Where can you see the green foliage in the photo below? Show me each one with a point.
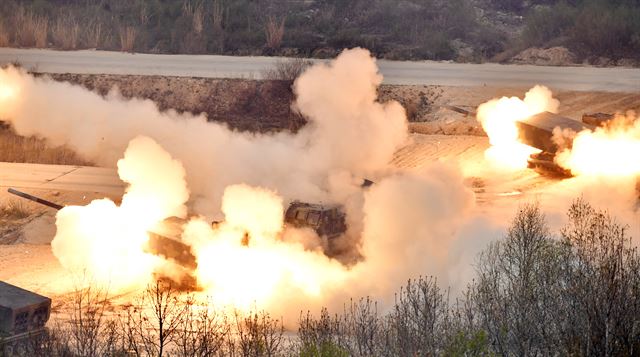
(463, 344)
(605, 29)
(488, 42)
(508, 5)
(408, 29)
(547, 23)
(325, 349)
(591, 28)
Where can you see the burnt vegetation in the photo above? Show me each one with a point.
(534, 294)
(462, 30)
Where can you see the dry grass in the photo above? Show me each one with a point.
(217, 14)
(196, 13)
(66, 32)
(94, 34)
(274, 30)
(127, 38)
(32, 29)
(14, 209)
(4, 35)
(14, 148)
(287, 70)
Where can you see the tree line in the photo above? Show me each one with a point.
(463, 30)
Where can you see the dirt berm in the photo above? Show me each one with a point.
(266, 105)
(253, 105)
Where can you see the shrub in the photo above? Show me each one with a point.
(94, 34)
(602, 30)
(127, 38)
(287, 70)
(15, 148)
(547, 23)
(31, 29)
(66, 32)
(13, 209)
(4, 35)
(274, 32)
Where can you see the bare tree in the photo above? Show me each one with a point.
(94, 33)
(217, 20)
(419, 319)
(361, 325)
(32, 29)
(518, 285)
(274, 32)
(323, 336)
(88, 333)
(202, 332)
(258, 334)
(602, 285)
(5, 38)
(66, 32)
(150, 326)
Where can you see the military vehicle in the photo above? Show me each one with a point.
(159, 244)
(537, 131)
(328, 221)
(597, 119)
(22, 312)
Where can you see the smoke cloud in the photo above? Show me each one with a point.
(410, 223)
(106, 241)
(401, 227)
(349, 134)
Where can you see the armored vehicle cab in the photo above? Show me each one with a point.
(326, 220)
(537, 131)
(21, 311)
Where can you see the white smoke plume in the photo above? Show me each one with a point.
(405, 225)
(348, 131)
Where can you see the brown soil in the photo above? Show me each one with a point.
(252, 105)
(243, 104)
(260, 106)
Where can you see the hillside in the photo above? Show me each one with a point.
(577, 31)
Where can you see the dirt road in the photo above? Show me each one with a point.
(60, 177)
(395, 72)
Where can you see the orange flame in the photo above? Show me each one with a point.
(608, 151)
(244, 260)
(498, 118)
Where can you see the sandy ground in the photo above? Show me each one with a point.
(61, 177)
(439, 120)
(395, 72)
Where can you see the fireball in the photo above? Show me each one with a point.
(608, 151)
(498, 118)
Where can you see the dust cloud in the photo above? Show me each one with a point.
(409, 223)
(401, 227)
